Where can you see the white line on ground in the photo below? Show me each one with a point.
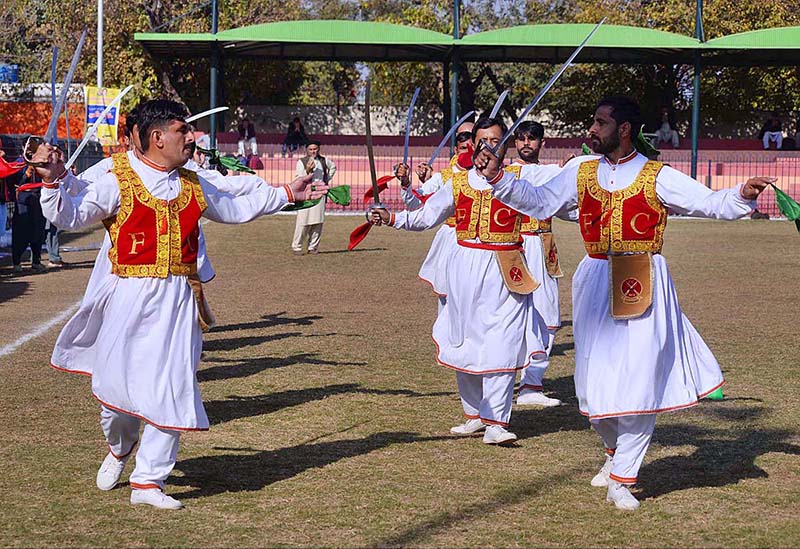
(39, 330)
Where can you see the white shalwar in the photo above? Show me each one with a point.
(654, 363)
(547, 318)
(482, 328)
(139, 338)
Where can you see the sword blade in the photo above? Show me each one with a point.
(53, 78)
(546, 87)
(409, 116)
(50, 135)
(203, 114)
(370, 153)
(93, 128)
(446, 137)
(498, 104)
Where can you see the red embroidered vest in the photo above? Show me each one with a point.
(152, 237)
(481, 216)
(629, 220)
(531, 225)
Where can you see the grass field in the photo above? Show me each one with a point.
(330, 419)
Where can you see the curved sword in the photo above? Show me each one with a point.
(446, 137)
(203, 114)
(370, 154)
(409, 116)
(498, 104)
(544, 90)
(50, 134)
(93, 128)
(53, 78)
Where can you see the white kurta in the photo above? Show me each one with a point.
(657, 362)
(434, 267)
(482, 328)
(139, 338)
(545, 298)
(315, 214)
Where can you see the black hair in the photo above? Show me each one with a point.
(131, 120)
(485, 122)
(463, 136)
(624, 109)
(158, 114)
(530, 129)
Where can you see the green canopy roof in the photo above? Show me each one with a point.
(309, 40)
(554, 42)
(777, 46)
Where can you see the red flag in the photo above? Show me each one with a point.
(383, 184)
(358, 235)
(422, 197)
(9, 168)
(464, 160)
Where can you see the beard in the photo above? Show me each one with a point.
(529, 155)
(605, 146)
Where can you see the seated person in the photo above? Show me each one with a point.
(295, 136)
(772, 130)
(665, 131)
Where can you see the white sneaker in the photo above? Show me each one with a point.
(601, 478)
(156, 498)
(536, 398)
(470, 427)
(498, 435)
(110, 471)
(619, 495)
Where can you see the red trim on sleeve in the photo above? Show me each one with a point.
(289, 193)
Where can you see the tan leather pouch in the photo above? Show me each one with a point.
(515, 272)
(550, 251)
(631, 280)
(204, 315)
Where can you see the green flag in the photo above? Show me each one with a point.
(338, 195)
(787, 206)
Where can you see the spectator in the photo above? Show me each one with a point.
(27, 225)
(666, 132)
(309, 221)
(247, 135)
(295, 137)
(772, 130)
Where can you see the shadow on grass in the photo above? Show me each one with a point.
(354, 251)
(534, 421)
(722, 456)
(268, 321)
(234, 407)
(251, 366)
(12, 289)
(247, 472)
(239, 342)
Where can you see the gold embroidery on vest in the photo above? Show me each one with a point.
(480, 215)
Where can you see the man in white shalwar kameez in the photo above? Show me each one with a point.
(139, 337)
(647, 358)
(543, 264)
(481, 332)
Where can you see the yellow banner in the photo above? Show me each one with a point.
(97, 99)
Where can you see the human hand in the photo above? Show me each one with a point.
(304, 188)
(401, 172)
(311, 166)
(45, 158)
(424, 172)
(487, 162)
(754, 187)
(378, 216)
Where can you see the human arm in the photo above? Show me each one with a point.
(95, 203)
(432, 213)
(685, 196)
(556, 197)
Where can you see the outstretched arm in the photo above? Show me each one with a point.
(433, 213)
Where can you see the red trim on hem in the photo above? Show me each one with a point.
(433, 288)
(79, 372)
(490, 247)
(623, 160)
(120, 458)
(165, 427)
(150, 164)
(456, 368)
(148, 486)
(54, 185)
(538, 388)
(496, 178)
(657, 411)
(470, 416)
(502, 424)
(392, 219)
(289, 193)
(622, 480)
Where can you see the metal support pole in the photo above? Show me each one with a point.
(99, 43)
(212, 100)
(454, 72)
(698, 33)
